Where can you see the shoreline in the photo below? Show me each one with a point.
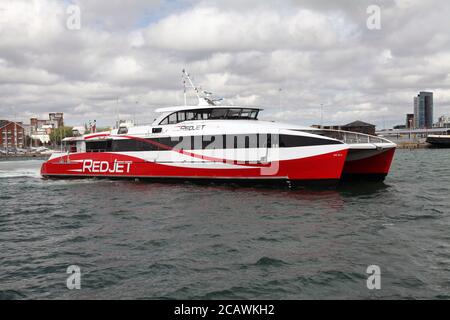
(413, 145)
(24, 156)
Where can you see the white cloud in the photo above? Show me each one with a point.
(317, 51)
(210, 29)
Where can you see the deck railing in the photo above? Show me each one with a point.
(349, 137)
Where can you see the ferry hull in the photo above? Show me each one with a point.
(439, 141)
(319, 168)
(371, 165)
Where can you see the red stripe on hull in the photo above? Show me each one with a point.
(321, 167)
(378, 164)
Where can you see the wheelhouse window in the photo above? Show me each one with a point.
(181, 116)
(234, 113)
(190, 115)
(211, 114)
(173, 118)
(219, 113)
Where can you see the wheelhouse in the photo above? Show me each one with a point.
(221, 113)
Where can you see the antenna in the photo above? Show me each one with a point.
(187, 77)
(205, 99)
(184, 88)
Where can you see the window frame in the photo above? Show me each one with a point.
(207, 114)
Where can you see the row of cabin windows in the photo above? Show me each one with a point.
(206, 142)
(210, 114)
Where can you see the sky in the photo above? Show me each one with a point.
(293, 58)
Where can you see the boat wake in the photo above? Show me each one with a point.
(23, 173)
(20, 169)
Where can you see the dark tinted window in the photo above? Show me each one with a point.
(132, 145)
(207, 142)
(291, 141)
(219, 113)
(234, 113)
(123, 130)
(205, 114)
(99, 146)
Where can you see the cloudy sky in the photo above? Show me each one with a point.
(127, 57)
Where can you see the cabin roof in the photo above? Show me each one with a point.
(184, 108)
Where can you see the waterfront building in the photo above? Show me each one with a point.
(356, 126)
(55, 120)
(423, 110)
(443, 122)
(12, 134)
(42, 134)
(360, 126)
(410, 120)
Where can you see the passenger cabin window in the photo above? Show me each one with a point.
(122, 130)
(213, 114)
(70, 146)
(99, 146)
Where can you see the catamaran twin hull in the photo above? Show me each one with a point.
(209, 142)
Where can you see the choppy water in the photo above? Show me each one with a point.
(142, 240)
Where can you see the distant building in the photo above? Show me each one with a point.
(27, 129)
(42, 134)
(423, 110)
(12, 134)
(410, 121)
(56, 119)
(360, 126)
(443, 122)
(400, 127)
(36, 124)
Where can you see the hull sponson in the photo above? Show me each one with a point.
(325, 166)
(372, 167)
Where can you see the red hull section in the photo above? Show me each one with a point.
(322, 167)
(375, 165)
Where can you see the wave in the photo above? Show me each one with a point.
(20, 173)
(20, 169)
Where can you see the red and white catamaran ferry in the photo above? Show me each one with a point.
(215, 142)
